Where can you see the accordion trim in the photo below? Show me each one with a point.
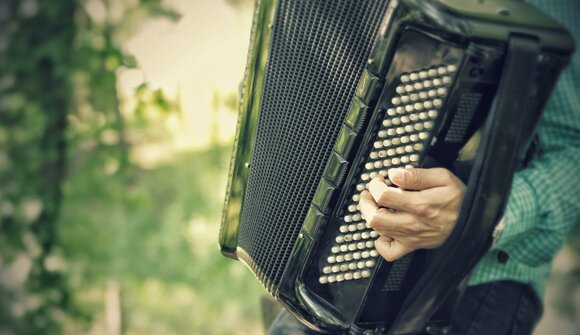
(249, 108)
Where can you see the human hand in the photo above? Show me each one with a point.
(420, 214)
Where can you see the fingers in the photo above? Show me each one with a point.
(420, 179)
(368, 206)
(392, 197)
(387, 238)
(427, 203)
(383, 221)
(391, 249)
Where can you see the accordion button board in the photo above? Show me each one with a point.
(400, 141)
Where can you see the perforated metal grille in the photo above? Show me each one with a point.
(397, 274)
(319, 49)
(465, 110)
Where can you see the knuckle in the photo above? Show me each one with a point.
(405, 205)
(382, 211)
(386, 253)
(423, 210)
(458, 193)
(415, 177)
(374, 221)
(444, 175)
(432, 212)
(384, 198)
(415, 227)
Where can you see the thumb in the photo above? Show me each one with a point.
(419, 179)
(391, 249)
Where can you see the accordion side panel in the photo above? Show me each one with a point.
(304, 101)
(247, 122)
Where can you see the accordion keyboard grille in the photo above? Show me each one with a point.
(318, 52)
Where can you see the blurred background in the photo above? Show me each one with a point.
(117, 120)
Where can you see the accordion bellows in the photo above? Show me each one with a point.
(336, 93)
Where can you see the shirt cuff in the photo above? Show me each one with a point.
(521, 213)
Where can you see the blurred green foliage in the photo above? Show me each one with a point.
(154, 231)
(79, 215)
(37, 39)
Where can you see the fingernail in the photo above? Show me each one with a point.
(364, 192)
(397, 173)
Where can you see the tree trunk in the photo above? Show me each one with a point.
(36, 44)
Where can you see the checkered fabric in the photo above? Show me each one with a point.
(545, 199)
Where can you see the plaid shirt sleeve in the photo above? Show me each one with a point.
(544, 202)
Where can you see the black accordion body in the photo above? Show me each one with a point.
(337, 92)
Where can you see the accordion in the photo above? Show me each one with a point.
(338, 92)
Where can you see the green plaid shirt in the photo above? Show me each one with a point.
(544, 202)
